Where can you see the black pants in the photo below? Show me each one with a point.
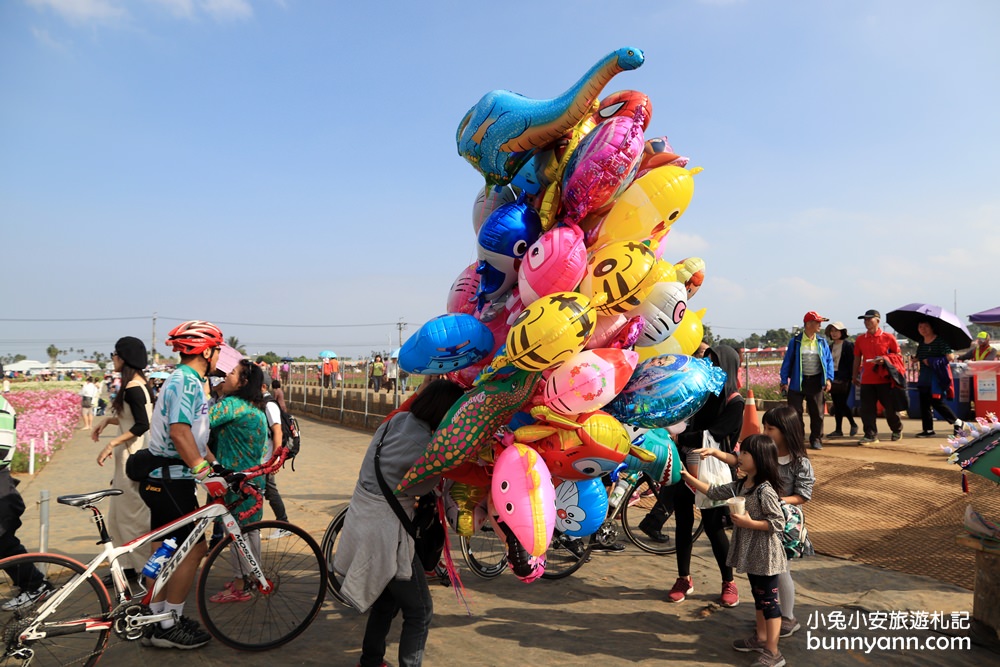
(871, 395)
(841, 409)
(928, 404)
(811, 391)
(712, 520)
(274, 499)
(26, 577)
(413, 598)
(765, 594)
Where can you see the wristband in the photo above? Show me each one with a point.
(201, 466)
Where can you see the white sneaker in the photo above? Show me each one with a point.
(278, 533)
(26, 597)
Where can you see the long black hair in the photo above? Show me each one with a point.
(128, 374)
(787, 420)
(765, 457)
(434, 401)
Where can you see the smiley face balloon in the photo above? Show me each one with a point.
(619, 271)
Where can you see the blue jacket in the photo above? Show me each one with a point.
(791, 365)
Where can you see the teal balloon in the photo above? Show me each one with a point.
(666, 390)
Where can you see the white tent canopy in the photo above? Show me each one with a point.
(78, 365)
(25, 366)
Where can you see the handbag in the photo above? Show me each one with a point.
(140, 464)
(713, 472)
(425, 528)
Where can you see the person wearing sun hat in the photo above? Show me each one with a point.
(843, 362)
(806, 372)
(981, 351)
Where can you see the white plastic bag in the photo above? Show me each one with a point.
(713, 472)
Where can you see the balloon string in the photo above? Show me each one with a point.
(449, 562)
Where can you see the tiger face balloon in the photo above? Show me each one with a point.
(619, 271)
(550, 331)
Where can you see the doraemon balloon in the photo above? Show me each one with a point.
(589, 380)
(446, 343)
(581, 507)
(503, 240)
(665, 390)
(556, 262)
(661, 311)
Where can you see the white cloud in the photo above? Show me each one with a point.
(680, 244)
(43, 37)
(227, 10)
(83, 11)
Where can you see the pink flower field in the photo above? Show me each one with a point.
(38, 412)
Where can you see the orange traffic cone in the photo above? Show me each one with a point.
(751, 424)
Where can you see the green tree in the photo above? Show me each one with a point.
(270, 357)
(53, 353)
(235, 343)
(12, 358)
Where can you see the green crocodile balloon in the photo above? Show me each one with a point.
(471, 423)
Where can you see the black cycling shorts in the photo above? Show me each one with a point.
(169, 500)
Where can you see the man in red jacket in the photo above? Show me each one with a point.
(871, 350)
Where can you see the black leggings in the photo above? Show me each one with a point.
(765, 594)
(711, 519)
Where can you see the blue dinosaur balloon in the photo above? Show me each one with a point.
(498, 135)
(666, 390)
(503, 239)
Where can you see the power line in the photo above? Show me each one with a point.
(71, 319)
(181, 319)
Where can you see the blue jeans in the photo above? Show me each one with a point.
(413, 597)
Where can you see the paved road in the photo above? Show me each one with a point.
(611, 612)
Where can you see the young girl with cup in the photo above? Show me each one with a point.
(784, 426)
(756, 547)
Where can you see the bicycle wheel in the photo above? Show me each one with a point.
(86, 609)
(293, 565)
(484, 552)
(329, 547)
(636, 509)
(565, 556)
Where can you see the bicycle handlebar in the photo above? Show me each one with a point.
(217, 485)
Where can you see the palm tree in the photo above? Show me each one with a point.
(53, 353)
(234, 343)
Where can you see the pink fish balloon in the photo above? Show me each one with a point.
(524, 497)
(589, 380)
(556, 262)
(462, 296)
(603, 165)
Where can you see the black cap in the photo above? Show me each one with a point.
(132, 351)
(871, 312)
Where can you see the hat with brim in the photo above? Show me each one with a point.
(839, 326)
(982, 335)
(871, 312)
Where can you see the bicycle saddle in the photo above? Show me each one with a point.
(84, 499)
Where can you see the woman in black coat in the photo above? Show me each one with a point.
(842, 385)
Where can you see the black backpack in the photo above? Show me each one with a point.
(290, 435)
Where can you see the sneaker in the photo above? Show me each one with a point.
(816, 444)
(898, 435)
(613, 548)
(868, 441)
(26, 598)
(768, 659)
(835, 434)
(278, 533)
(749, 644)
(653, 533)
(926, 434)
(854, 431)
(230, 594)
(789, 626)
(575, 546)
(683, 587)
(184, 634)
(957, 427)
(730, 595)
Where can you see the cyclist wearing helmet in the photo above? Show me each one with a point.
(180, 429)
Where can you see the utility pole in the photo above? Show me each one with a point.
(156, 359)
(400, 326)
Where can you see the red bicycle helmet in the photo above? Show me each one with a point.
(194, 337)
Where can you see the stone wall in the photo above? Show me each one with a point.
(341, 406)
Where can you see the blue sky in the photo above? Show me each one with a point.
(294, 162)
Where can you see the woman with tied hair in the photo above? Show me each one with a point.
(131, 411)
(843, 384)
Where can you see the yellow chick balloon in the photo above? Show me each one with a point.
(649, 206)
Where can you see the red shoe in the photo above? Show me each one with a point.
(730, 595)
(683, 587)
